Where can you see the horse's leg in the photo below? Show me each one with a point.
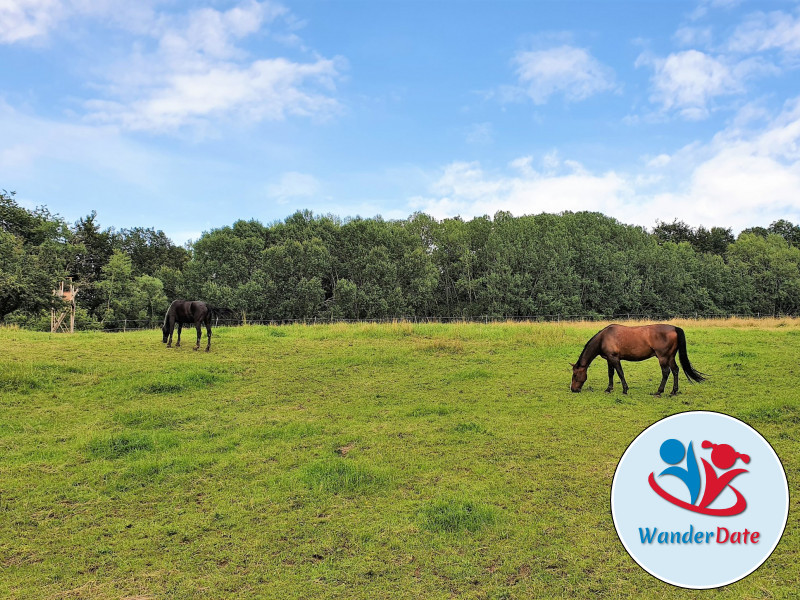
(610, 377)
(199, 333)
(208, 335)
(664, 362)
(674, 368)
(618, 366)
(180, 326)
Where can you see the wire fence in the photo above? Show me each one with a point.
(125, 325)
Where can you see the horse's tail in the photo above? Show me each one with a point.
(691, 373)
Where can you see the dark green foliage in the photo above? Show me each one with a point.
(540, 265)
(787, 230)
(31, 256)
(150, 250)
(322, 267)
(715, 240)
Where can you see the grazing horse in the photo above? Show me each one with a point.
(618, 342)
(187, 312)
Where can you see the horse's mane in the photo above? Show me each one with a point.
(170, 311)
(589, 343)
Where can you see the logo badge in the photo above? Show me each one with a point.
(699, 500)
(723, 456)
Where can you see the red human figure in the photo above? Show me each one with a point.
(724, 457)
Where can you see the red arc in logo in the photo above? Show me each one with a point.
(737, 508)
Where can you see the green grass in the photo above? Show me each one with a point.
(353, 461)
(340, 476)
(455, 514)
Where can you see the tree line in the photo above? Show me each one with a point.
(320, 266)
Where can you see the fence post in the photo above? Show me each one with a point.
(124, 325)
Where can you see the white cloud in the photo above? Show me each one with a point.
(479, 133)
(739, 179)
(267, 89)
(662, 160)
(187, 69)
(466, 189)
(35, 20)
(22, 20)
(293, 186)
(566, 70)
(691, 83)
(688, 82)
(200, 72)
(748, 176)
(772, 31)
(704, 6)
(693, 36)
(207, 33)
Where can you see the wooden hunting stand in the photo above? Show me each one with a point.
(57, 316)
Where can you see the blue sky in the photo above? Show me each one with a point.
(186, 116)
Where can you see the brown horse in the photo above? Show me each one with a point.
(187, 312)
(618, 342)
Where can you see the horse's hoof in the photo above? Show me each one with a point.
(625, 392)
(657, 395)
(208, 349)
(608, 390)
(195, 349)
(673, 393)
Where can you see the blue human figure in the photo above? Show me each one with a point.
(672, 452)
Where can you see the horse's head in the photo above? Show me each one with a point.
(165, 331)
(578, 378)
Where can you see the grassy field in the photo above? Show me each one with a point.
(353, 461)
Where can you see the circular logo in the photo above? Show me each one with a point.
(699, 500)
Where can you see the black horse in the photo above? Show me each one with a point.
(187, 312)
